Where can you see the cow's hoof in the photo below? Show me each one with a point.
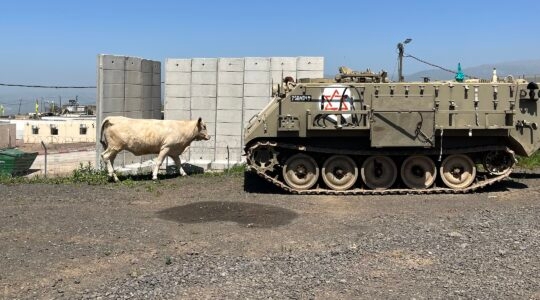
(154, 178)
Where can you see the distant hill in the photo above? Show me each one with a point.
(529, 68)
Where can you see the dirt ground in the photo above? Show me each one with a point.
(204, 237)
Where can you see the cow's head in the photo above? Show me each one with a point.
(202, 133)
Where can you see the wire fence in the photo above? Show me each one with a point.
(60, 160)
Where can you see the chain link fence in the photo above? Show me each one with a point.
(58, 159)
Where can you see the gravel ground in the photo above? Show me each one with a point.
(204, 237)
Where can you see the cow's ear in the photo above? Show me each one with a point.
(200, 120)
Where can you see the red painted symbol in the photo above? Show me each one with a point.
(333, 101)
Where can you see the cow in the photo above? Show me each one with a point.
(148, 136)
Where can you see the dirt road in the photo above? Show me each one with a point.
(204, 237)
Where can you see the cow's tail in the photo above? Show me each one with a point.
(103, 140)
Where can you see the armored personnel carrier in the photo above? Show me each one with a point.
(359, 133)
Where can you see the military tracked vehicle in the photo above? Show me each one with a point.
(359, 133)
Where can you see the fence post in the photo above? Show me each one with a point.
(45, 147)
(9, 136)
(228, 160)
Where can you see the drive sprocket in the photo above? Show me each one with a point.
(499, 162)
(263, 158)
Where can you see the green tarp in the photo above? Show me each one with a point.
(15, 161)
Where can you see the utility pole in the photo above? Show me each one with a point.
(401, 51)
(20, 103)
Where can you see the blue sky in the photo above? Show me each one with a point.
(56, 42)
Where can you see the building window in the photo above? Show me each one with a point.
(54, 130)
(35, 129)
(83, 129)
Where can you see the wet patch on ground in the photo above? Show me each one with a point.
(247, 214)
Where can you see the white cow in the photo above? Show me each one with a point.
(147, 136)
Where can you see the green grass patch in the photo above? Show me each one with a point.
(87, 174)
(234, 170)
(531, 162)
(83, 174)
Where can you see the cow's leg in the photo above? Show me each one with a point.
(178, 164)
(108, 157)
(159, 160)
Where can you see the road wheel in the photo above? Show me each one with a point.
(379, 172)
(418, 172)
(458, 171)
(339, 172)
(300, 171)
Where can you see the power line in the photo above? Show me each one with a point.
(12, 104)
(434, 65)
(47, 86)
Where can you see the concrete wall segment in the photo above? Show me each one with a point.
(209, 78)
(257, 77)
(178, 103)
(208, 117)
(283, 63)
(178, 65)
(309, 74)
(257, 64)
(177, 114)
(257, 103)
(114, 77)
(198, 90)
(228, 116)
(230, 64)
(204, 64)
(133, 77)
(307, 63)
(257, 90)
(178, 90)
(177, 78)
(147, 66)
(230, 90)
(133, 64)
(111, 62)
(128, 86)
(206, 103)
(230, 103)
(230, 77)
(113, 90)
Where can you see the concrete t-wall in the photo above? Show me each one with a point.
(127, 86)
(226, 93)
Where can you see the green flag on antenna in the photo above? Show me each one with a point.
(459, 75)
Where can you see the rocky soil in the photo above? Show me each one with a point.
(204, 237)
